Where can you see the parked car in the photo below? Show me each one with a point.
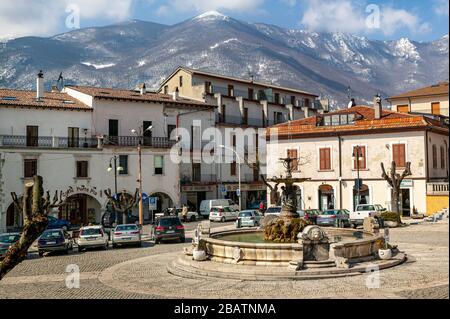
(191, 215)
(365, 210)
(273, 210)
(55, 240)
(248, 218)
(109, 219)
(168, 228)
(223, 213)
(127, 234)
(92, 237)
(334, 217)
(309, 214)
(206, 205)
(55, 223)
(6, 241)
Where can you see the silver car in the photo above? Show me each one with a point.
(248, 218)
(92, 237)
(127, 234)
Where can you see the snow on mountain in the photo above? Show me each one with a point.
(124, 54)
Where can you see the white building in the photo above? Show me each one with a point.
(325, 145)
(72, 137)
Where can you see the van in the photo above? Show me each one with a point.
(206, 205)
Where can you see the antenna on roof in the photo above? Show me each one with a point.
(60, 82)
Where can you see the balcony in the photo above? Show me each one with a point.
(21, 141)
(130, 141)
(439, 189)
(197, 178)
(239, 120)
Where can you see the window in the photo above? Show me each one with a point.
(181, 81)
(362, 157)
(245, 118)
(230, 90)
(293, 100)
(399, 155)
(277, 98)
(147, 133)
(233, 169)
(82, 169)
(223, 115)
(159, 164)
(251, 94)
(166, 89)
(293, 154)
(32, 135)
(327, 121)
(114, 131)
(123, 162)
(208, 87)
(29, 168)
(403, 108)
(264, 119)
(435, 161)
(170, 129)
(436, 108)
(307, 103)
(196, 172)
(73, 137)
(442, 157)
(325, 159)
(278, 117)
(335, 120)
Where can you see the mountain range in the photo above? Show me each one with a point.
(123, 55)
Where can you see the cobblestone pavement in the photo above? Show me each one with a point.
(141, 273)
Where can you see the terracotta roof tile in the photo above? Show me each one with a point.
(438, 89)
(365, 122)
(22, 98)
(122, 94)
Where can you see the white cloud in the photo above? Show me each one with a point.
(441, 7)
(207, 5)
(42, 17)
(350, 17)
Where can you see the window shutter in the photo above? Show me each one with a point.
(399, 155)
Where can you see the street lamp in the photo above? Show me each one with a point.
(116, 169)
(239, 172)
(357, 157)
(140, 133)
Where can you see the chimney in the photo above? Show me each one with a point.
(40, 85)
(142, 88)
(175, 94)
(377, 106)
(325, 105)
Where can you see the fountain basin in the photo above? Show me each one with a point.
(247, 247)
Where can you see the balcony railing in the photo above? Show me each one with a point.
(157, 142)
(437, 188)
(21, 141)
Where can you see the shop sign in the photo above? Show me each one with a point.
(80, 189)
(406, 183)
(206, 188)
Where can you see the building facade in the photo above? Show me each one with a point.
(343, 149)
(72, 137)
(429, 100)
(243, 109)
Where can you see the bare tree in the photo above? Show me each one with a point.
(394, 180)
(124, 202)
(35, 207)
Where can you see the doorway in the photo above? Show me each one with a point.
(405, 202)
(326, 197)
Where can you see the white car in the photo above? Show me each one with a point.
(365, 210)
(206, 205)
(273, 210)
(127, 234)
(223, 213)
(92, 237)
(191, 216)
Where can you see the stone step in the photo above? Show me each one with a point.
(319, 264)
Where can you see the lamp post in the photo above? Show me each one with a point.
(357, 158)
(239, 173)
(140, 134)
(116, 169)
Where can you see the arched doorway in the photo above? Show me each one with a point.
(364, 196)
(81, 209)
(326, 197)
(14, 218)
(164, 201)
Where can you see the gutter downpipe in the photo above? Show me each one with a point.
(340, 172)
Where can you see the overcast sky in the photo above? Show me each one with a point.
(420, 20)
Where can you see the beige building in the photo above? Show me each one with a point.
(244, 104)
(429, 100)
(325, 146)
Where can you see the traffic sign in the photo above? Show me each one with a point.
(153, 203)
(238, 192)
